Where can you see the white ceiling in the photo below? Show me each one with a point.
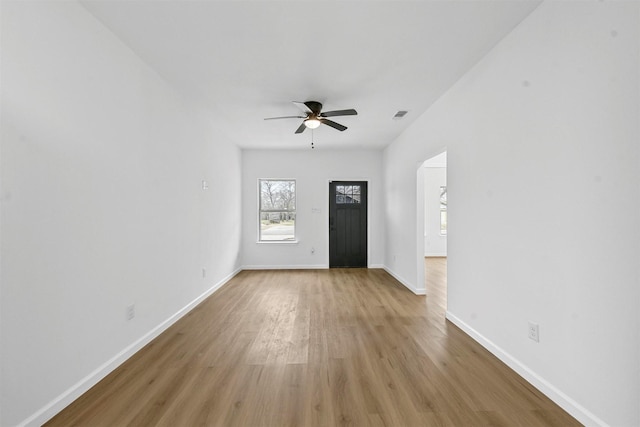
(244, 61)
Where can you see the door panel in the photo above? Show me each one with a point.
(347, 224)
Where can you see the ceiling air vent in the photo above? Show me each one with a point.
(400, 114)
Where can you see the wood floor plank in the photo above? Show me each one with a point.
(315, 348)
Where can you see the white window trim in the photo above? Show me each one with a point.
(259, 195)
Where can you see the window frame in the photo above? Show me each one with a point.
(293, 211)
(443, 210)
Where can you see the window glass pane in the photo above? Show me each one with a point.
(443, 222)
(277, 226)
(277, 195)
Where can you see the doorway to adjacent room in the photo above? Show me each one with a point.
(433, 225)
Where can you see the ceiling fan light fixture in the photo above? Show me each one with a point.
(312, 123)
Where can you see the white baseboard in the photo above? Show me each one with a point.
(297, 267)
(565, 402)
(286, 267)
(417, 291)
(62, 401)
(436, 254)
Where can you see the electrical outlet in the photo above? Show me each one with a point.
(204, 273)
(131, 311)
(534, 332)
(313, 251)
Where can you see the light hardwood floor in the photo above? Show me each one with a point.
(315, 348)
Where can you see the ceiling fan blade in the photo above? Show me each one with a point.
(314, 106)
(332, 124)
(286, 117)
(301, 128)
(302, 106)
(349, 112)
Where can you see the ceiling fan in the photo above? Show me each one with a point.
(315, 117)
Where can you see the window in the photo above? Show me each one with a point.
(443, 211)
(277, 210)
(346, 194)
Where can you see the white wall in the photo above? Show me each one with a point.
(312, 170)
(102, 205)
(435, 244)
(543, 186)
